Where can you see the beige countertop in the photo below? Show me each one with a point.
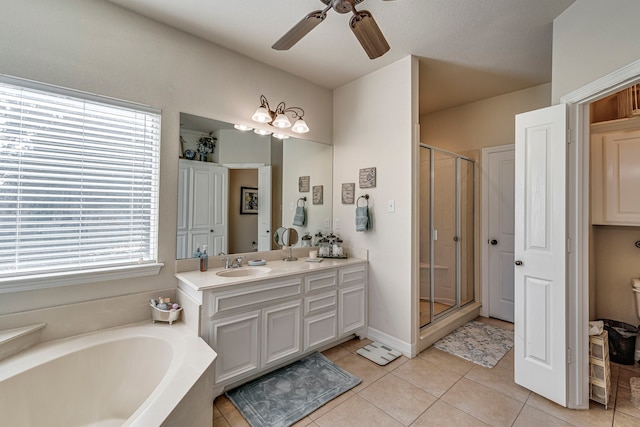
(199, 281)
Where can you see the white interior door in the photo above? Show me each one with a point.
(264, 210)
(540, 252)
(500, 214)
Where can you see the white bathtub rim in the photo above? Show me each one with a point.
(179, 377)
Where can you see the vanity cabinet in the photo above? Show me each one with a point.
(264, 324)
(202, 207)
(615, 173)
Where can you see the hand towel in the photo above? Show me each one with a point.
(300, 217)
(363, 219)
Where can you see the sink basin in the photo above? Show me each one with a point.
(243, 272)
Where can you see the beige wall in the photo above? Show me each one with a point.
(591, 39)
(101, 48)
(373, 127)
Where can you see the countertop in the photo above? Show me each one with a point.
(199, 281)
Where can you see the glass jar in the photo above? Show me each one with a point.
(337, 250)
(306, 240)
(324, 249)
(317, 238)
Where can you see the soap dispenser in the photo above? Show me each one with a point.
(204, 259)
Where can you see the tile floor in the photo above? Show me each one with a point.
(439, 389)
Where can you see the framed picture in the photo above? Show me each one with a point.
(367, 178)
(317, 194)
(248, 200)
(303, 184)
(348, 192)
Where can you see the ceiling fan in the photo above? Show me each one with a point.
(362, 24)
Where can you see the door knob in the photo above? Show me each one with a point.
(494, 242)
(518, 263)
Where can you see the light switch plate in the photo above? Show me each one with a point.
(391, 206)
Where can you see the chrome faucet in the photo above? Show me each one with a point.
(233, 264)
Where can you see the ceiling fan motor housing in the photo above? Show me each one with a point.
(343, 6)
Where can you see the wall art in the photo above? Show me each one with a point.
(317, 194)
(368, 178)
(348, 193)
(303, 184)
(248, 200)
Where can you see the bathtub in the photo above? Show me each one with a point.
(143, 374)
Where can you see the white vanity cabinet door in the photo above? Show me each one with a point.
(280, 338)
(321, 319)
(352, 300)
(235, 339)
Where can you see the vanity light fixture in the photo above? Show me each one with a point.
(280, 136)
(262, 132)
(242, 127)
(278, 118)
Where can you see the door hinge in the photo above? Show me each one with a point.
(569, 140)
(568, 356)
(569, 245)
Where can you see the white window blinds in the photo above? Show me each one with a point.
(78, 182)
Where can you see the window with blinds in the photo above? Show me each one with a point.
(78, 181)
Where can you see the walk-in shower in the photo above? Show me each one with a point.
(446, 233)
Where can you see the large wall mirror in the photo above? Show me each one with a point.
(247, 187)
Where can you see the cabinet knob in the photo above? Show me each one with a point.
(211, 231)
(494, 242)
(519, 263)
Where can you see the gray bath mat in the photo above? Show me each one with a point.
(379, 353)
(282, 397)
(478, 343)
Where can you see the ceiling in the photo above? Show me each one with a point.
(468, 49)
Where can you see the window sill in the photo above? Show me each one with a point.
(52, 280)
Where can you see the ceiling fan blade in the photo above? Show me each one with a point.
(368, 34)
(300, 30)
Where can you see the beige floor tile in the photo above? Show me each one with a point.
(532, 417)
(490, 406)
(620, 419)
(354, 344)
(623, 403)
(235, 419)
(625, 373)
(305, 422)
(331, 404)
(427, 375)
(361, 367)
(224, 405)
(506, 363)
(335, 353)
(447, 360)
(356, 412)
(441, 414)
(495, 322)
(216, 412)
(396, 397)
(499, 380)
(596, 416)
(220, 422)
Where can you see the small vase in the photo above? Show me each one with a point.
(203, 157)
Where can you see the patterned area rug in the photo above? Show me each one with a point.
(478, 343)
(282, 397)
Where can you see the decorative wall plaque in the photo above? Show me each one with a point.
(317, 194)
(368, 178)
(348, 193)
(303, 184)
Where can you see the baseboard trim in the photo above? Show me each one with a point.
(403, 347)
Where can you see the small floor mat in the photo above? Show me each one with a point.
(379, 353)
(282, 397)
(478, 342)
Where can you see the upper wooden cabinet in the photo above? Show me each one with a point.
(615, 173)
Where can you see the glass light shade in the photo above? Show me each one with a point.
(262, 132)
(280, 136)
(300, 126)
(281, 121)
(261, 115)
(242, 127)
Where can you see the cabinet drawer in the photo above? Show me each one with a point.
(228, 301)
(319, 303)
(352, 276)
(320, 281)
(319, 330)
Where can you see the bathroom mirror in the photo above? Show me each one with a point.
(249, 186)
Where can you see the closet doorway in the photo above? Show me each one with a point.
(446, 233)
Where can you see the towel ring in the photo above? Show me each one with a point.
(366, 199)
(303, 199)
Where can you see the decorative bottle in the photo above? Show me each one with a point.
(204, 259)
